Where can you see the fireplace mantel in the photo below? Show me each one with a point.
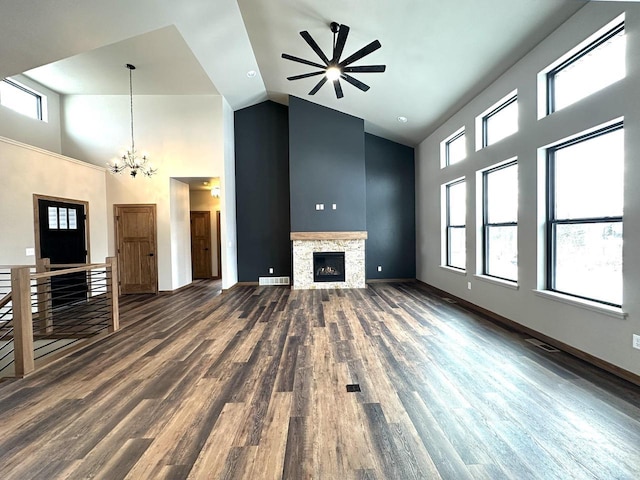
(328, 235)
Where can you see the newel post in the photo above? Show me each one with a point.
(112, 291)
(45, 306)
(22, 320)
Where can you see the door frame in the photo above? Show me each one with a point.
(116, 206)
(36, 221)
(218, 245)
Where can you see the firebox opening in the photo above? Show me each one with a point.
(328, 267)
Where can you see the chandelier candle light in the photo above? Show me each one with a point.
(131, 160)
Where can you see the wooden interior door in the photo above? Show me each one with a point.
(201, 244)
(135, 227)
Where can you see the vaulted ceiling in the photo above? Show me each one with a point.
(438, 54)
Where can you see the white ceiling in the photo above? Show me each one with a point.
(439, 54)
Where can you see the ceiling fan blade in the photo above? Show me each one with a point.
(301, 60)
(317, 87)
(305, 75)
(372, 47)
(355, 82)
(338, 88)
(343, 32)
(365, 69)
(312, 43)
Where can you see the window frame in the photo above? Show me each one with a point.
(38, 96)
(485, 219)
(551, 221)
(449, 226)
(447, 143)
(590, 47)
(485, 118)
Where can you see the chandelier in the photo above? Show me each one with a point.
(131, 160)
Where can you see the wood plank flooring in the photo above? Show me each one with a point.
(251, 384)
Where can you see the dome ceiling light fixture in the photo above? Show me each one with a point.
(131, 160)
(335, 69)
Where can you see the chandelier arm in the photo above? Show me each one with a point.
(131, 103)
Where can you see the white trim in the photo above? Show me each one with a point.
(454, 270)
(615, 312)
(498, 281)
(51, 154)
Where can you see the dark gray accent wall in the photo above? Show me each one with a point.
(262, 191)
(391, 221)
(327, 166)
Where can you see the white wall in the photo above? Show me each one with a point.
(28, 170)
(183, 135)
(228, 230)
(606, 337)
(180, 234)
(39, 133)
(202, 201)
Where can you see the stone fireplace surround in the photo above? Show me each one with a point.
(351, 243)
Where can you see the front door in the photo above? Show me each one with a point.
(201, 244)
(135, 227)
(62, 239)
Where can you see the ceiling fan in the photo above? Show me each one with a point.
(334, 69)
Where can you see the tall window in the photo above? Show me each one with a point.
(500, 221)
(500, 122)
(585, 203)
(456, 195)
(455, 148)
(21, 99)
(599, 63)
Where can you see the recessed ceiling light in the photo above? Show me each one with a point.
(402, 119)
(251, 73)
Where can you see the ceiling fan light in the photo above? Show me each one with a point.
(333, 73)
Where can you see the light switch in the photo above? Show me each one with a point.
(322, 206)
(334, 206)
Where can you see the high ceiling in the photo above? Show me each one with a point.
(438, 54)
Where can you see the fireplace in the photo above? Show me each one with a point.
(308, 245)
(328, 266)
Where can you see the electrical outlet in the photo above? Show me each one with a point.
(334, 206)
(379, 268)
(469, 285)
(270, 269)
(636, 341)
(30, 251)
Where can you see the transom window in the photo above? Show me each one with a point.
(21, 99)
(598, 64)
(500, 221)
(585, 204)
(456, 213)
(455, 148)
(500, 122)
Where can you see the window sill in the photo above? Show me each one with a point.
(498, 281)
(608, 310)
(454, 270)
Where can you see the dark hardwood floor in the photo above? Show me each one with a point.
(252, 384)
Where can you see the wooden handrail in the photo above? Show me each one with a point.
(86, 268)
(6, 299)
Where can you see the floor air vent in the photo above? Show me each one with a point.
(353, 387)
(273, 280)
(544, 346)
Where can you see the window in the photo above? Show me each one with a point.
(585, 203)
(501, 121)
(455, 148)
(598, 64)
(500, 221)
(61, 218)
(456, 213)
(21, 99)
